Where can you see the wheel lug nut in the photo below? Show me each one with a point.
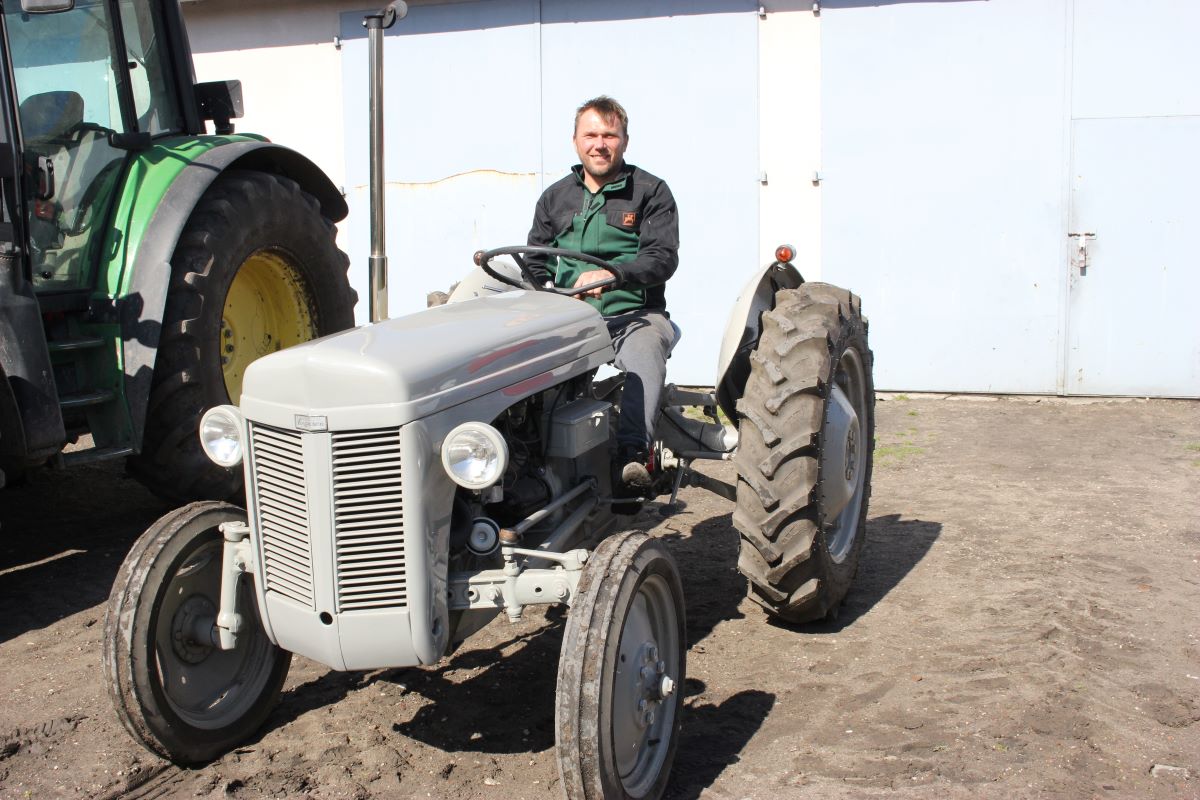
(662, 667)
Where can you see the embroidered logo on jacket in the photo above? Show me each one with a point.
(629, 219)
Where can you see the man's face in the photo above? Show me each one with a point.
(600, 144)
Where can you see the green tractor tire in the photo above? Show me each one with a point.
(256, 270)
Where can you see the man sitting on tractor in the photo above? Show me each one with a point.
(622, 214)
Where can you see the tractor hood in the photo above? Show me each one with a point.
(403, 369)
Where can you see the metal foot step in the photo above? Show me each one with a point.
(77, 457)
(82, 399)
(80, 343)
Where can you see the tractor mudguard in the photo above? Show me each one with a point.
(144, 291)
(745, 326)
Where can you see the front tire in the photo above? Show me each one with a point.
(621, 673)
(256, 270)
(176, 694)
(806, 436)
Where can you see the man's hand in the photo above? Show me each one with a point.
(592, 276)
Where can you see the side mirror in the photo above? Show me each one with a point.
(220, 101)
(46, 6)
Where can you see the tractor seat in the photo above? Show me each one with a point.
(51, 116)
(674, 340)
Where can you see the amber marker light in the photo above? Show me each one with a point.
(785, 253)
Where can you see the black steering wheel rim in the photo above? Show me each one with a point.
(483, 259)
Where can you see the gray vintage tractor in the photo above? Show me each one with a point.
(409, 481)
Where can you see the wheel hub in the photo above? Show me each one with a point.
(650, 685)
(851, 454)
(840, 453)
(192, 620)
(845, 458)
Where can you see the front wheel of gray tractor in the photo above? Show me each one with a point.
(173, 688)
(256, 270)
(807, 431)
(621, 673)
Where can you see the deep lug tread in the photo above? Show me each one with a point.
(784, 554)
(793, 448)
(770, 368)
(761, 543)
(241, 212)
(767, 433)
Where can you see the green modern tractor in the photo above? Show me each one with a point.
(144, 263)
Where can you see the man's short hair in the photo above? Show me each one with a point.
(608, 108)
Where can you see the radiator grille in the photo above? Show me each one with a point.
(282, 504)
(368, 514)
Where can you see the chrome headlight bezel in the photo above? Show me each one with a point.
(481, 437)
(221, 435)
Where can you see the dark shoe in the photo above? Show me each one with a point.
(636, 476)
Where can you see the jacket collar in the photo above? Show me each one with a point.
(616, 183)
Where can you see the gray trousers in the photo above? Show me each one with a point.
(643, 341)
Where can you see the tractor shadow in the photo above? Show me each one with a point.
(713, 738)
(478, 694)
(63, 536)
(893, 548)
(474, 696)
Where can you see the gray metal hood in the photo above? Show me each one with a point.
(403, 369)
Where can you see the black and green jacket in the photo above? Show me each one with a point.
(631, 222)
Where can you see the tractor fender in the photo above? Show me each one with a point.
(744, 327)
(140, 309)
(31, 423)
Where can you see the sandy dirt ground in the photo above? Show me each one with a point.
(1025, 623)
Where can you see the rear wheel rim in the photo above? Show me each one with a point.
(644, 686)
(267, 308)
(844, 459)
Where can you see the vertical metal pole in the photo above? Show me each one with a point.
(376, 24)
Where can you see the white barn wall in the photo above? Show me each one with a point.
(292, 83)
(290, 69)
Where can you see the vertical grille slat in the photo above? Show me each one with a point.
(368, 512)
(282, 506)
(368, 516)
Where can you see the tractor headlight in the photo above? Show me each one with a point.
(475, 455)
(221, 435)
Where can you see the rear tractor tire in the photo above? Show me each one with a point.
(256, 270)
(175, 692)
(807, 432)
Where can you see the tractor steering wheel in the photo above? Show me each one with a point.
(483, 259)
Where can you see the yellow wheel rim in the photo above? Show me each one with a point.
(268, 308)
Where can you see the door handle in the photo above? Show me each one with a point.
(1079, 254)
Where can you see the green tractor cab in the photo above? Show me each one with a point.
(144, 263)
